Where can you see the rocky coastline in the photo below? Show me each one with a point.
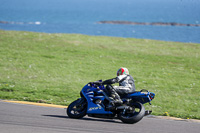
(147, 23)
(4, 22)
(124, 22)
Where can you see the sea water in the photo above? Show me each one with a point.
(82, 17)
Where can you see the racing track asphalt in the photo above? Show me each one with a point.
(23, 118)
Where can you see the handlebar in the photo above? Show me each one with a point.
(97, 85)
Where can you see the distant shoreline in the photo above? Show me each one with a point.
(147, 23)
(121, 22)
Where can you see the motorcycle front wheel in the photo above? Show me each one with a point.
(77, 109)
(133, 116)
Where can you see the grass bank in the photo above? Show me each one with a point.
(52, 68)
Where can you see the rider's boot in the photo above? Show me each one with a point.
(115, 100)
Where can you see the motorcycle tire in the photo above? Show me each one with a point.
(77, 110)
(133, 117)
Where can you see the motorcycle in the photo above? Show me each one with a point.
(95, 102)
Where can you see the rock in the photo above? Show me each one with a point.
(146, 23)
(4, 22)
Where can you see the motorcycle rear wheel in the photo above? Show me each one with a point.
(134, 116)
(77, 109)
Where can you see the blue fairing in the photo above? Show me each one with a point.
(93, 108)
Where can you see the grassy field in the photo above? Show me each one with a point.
(52, 68)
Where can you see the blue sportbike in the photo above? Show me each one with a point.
(95, 102)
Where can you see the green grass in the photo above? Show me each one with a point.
(52, 68)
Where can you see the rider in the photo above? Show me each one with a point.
(126, 85)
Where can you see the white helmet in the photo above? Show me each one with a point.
(122, 71)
